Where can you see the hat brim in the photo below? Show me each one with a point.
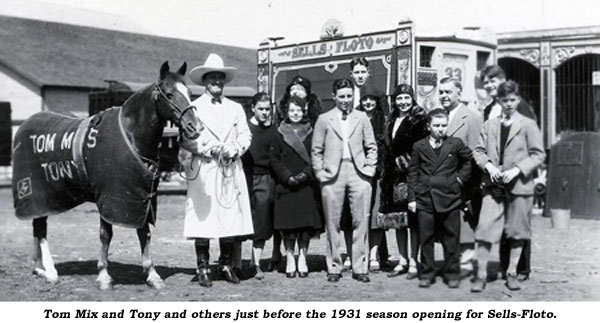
(197, 73)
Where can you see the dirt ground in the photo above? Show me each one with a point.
(565, 265)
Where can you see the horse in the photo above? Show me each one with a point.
(110, 158)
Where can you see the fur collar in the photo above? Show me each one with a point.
(295, 138)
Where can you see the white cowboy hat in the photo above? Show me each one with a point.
(214, 63)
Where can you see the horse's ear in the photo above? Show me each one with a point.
(182, 69)
(164, 69)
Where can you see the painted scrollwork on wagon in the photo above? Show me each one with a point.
(531, 55)
(562, 54)
(331, 67)
(404, 55)
(545, 58)
(263, 80)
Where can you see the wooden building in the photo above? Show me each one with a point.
(54, 66)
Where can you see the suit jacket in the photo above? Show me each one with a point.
(466, 126)
(524, 149)
(326, 152)
(433, 179)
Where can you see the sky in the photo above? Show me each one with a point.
(247, 23)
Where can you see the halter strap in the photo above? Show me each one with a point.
(173, 105)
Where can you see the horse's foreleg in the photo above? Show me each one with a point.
(104, 281)
(153, 279)
(43, 263)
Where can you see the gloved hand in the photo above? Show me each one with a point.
(230, 151)
(292, 182)
(301, 178)
(402, 162)
(215, 151)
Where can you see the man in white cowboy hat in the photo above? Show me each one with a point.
(217, 203)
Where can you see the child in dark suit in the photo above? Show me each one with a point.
(438, 169)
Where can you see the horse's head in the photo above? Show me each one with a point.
(173, 99)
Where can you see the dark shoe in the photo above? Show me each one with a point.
(204, 277)
(347, 265)
(512, 283)
(425, 283)
(411, 276)
(363, 278)
(303, 274)
(454, 283)
(386, 264)
(334, 278)
(398, 272)
(291, 275)
(374, 266)
(273, 265)
(258, 273)
(478, 285)
(522, 277)
(230, 275)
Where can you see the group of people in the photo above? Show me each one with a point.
(441, 175)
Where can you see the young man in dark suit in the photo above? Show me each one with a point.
(438, 169)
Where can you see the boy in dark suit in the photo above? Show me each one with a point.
(438, 169)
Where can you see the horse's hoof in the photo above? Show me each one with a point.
(50, 277)
(39, 272)
(156, 283)
(104, 283)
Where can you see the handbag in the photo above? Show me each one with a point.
(400, 194)
(495, 189)
(392, 220)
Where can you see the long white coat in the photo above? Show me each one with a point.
(217, 203)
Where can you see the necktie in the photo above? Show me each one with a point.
(344, 114)
(506, 120)
(438, 143)
(215, 100)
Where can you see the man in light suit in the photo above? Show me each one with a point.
(344, 157)
(464, 124)
(491, 77)
(510, 149)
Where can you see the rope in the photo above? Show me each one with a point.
(226, 184)
(229, 192)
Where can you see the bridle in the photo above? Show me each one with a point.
(175, 107)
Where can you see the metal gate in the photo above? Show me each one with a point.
(575, 99)
(528, 77)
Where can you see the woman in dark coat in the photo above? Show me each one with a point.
(300, 87)
(298, 212)
(371, 105)
(406, 124)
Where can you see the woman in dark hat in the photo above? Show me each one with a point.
(406, 124)
(300, 87)
(370, 103)
(298, 214)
